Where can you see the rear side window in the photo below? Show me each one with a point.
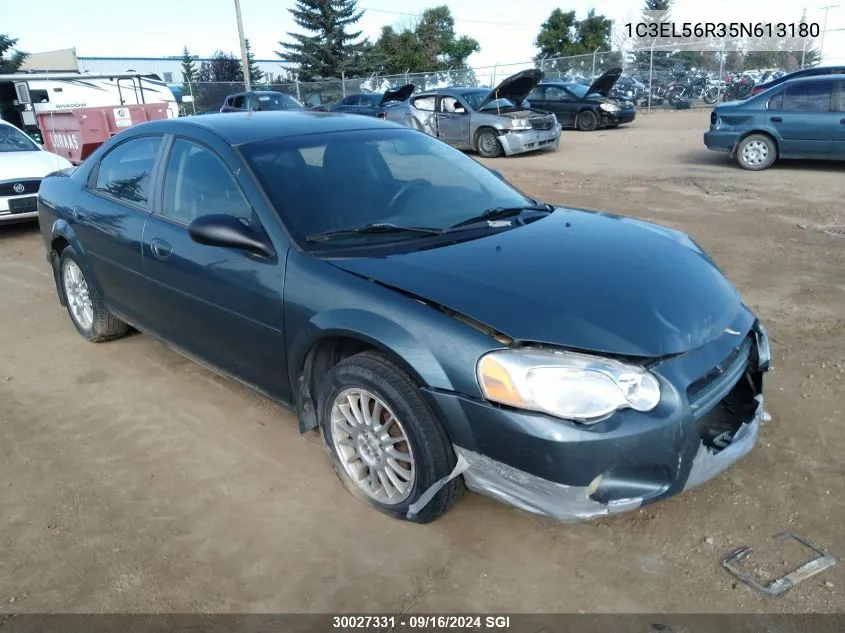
(126, 171)
(424, 103)
(809, 97)
(776, 102)
(239, 101)
(841, 98)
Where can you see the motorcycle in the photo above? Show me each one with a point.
(693, 85)
(737, 87)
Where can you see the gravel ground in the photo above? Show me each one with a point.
(133, 480)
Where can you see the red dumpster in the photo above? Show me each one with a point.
(75, 134)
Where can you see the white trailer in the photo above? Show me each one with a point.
(24, 95)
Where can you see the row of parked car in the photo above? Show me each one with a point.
(525, 112)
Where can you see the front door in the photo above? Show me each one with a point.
(837, 149)
(223, 305)
(805, 119)
(453, 122)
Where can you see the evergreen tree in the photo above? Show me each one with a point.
(189, 69)
(222, 67)
(662, 55)
(327, 47)
(12, 63)
(254, 70)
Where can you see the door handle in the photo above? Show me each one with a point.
(160, 248)
(776, 119)
(78, 213)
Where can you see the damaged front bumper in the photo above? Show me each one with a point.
(519, 142)
(708, 419)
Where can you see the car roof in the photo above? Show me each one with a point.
(239, 128)
(786, 80)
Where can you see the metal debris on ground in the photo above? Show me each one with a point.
(839, 231)
(781, 584)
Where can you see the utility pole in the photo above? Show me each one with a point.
(244, 57)
(824, 28)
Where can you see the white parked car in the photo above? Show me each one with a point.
(23, 163)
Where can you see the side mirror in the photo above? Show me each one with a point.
(225, 230)
(460, 110)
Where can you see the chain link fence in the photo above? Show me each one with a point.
(673, 75)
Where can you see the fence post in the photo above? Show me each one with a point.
(593, 74)
(343, 82)
(296, 81)
(191, 90)
(651, 74)
(407, 80)
(721, 72)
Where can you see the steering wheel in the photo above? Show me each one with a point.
(403, 193)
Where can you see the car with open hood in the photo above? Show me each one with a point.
(491, 122)
(371, 103)
(583, 107)
(23, 163)
(439, 327)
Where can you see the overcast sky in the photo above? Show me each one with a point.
(504, 28)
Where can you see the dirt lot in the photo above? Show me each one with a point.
(133, 480)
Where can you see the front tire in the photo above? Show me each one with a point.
(756, 152)
(487, 143)
(587, 121)
(384, 443)
(711, 95)
(85, 304)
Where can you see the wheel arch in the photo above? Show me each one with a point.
(332, 336)
(62, 236)
(761, 131)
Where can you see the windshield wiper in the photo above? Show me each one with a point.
(371, 229)
(501, 213)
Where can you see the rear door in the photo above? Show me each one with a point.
(223, 305)
(805, 119)
(110, 218)
(837, 149)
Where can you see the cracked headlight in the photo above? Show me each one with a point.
(568, 385)
(609, 107)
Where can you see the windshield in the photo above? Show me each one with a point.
(13, 140)
(475, 98)
(345, 180)
(278, 102)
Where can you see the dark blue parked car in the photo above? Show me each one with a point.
(437, 325)
(372, 103)
(803, 118)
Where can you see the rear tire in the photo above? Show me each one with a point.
(756, 152)
(711, 95)
(586, 121)
(487, 143)
(85, 303)
(365, 405)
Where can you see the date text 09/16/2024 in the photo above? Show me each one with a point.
(419, 622)
(722, 29)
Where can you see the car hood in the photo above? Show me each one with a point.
(397, 94)
(604, 84)
(36, 164)
(576, 278)
(516, 87)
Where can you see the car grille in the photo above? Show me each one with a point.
(712, 387)
(545, 123)
(30, 185)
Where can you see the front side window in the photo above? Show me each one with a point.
(13, 140)
(350, 179)
(239, 102)
(809, 97)
(555, 93)
(126, 171)
(197, 182)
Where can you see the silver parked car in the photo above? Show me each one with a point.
(492, 122)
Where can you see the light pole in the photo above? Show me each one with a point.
(244, 57)
(824, 28)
